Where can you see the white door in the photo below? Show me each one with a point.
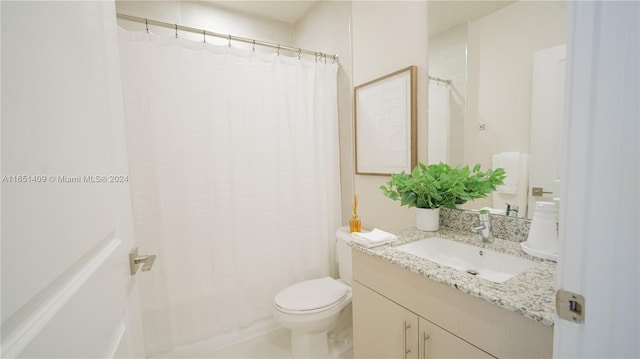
(547, 100)
(599, 232)
(66, 213)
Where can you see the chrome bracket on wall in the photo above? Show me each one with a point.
(539, 191)
(135, 260)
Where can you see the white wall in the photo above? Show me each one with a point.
(500, 52)
(388, 36)
(448, 60)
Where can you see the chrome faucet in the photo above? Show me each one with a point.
(512, 210)
(485, 226)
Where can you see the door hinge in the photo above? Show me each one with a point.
(570, 306)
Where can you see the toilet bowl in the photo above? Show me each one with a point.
(311, 308)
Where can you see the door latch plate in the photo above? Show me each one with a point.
(570, 306)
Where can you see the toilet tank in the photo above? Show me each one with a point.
(343, 253)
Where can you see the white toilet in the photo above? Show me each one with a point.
(311, 308)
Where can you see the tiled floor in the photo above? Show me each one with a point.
(273, 344)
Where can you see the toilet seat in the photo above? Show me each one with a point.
(311, 296)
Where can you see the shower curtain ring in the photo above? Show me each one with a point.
(146, 24)
(299, 52)
(254, 45)
(335, 58)
(176, 30)
(278, 50)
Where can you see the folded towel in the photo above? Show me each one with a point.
(374, 238)
(510, 161)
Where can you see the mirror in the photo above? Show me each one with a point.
(496, 55)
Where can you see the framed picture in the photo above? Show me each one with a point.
(386, 124)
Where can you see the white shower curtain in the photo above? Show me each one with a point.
(235, 179)
(439, 123)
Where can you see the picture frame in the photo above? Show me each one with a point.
(386, 124)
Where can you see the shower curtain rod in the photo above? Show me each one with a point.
(229, 37)
(448, 82)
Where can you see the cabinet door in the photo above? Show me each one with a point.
(436, 342)
(382, 328)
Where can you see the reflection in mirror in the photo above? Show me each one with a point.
(487, 50)
(447, 95)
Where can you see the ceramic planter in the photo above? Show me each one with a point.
(427, 219)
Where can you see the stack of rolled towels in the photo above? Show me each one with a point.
(376, 237)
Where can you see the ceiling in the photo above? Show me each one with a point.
(285, 11)
(443, 14)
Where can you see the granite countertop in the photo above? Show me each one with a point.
(530, 293)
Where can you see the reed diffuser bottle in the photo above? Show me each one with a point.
(354, 223)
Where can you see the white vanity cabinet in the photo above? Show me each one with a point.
(436, 342)
(401, 314)
(384, 329)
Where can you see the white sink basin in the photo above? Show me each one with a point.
(491, 265)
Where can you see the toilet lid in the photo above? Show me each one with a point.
(311, 295)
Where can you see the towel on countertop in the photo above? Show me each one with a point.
(510, 161)
(374, 238)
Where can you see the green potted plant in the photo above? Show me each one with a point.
(439, 185)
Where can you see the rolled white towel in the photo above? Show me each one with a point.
(376, 237)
